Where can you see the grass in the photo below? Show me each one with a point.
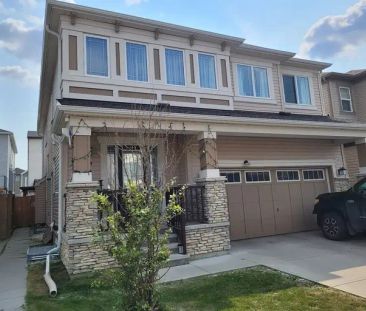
(256, 288)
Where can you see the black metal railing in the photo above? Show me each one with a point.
(191, 201)
(192, 204)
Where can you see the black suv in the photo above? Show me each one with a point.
(341, 214)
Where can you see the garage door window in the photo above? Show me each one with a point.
(231, 177)
(288, 175)
(313, 174)
(257, 176)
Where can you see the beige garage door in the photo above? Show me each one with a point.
(266, 202)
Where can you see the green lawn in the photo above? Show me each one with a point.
(256, 288)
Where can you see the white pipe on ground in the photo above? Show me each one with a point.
(52, 288)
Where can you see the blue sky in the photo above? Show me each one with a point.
(328, 30)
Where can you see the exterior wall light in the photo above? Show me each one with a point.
(342, 171)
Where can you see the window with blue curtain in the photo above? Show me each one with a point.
(136, 58)
(253, 81)
(245, 80)
(289, 89)
(303, 90)
(174, 67)
(297, 90)
(96, 56)
(260, 82)
(206, 64)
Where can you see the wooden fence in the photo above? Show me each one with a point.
(23, 213)
(15, 212)
(6, 215)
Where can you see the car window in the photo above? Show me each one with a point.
(361, 186)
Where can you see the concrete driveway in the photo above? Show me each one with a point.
(341, 265)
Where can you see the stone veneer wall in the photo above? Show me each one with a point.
(212, 238)
(341, 184)
(79, 251)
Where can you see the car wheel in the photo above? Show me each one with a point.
(334, 227)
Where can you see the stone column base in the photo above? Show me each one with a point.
(84, 255)
(341, 184)
(206, 240)
(79, 250)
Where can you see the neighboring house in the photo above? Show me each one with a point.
(34, 157)
(20, 180)
(345, 98)
(8, 150)
(263, 149)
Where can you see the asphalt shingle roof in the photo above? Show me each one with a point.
(193, 110)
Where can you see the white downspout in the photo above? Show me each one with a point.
(52, 288)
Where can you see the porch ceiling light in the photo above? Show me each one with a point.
(246, 162)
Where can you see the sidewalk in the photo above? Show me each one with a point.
(205, 266)
(13, 271)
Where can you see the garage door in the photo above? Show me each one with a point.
(266, 202)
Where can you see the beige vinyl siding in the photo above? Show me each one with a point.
(333, 98)
(358, 93)
(258, 148)
(328, 109)
(352, 163)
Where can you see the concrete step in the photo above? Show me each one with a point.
(172, 238)
(177, 260)
(173, 247)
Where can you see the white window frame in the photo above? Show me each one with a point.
(147, 62)
(199, 73)
(288, 170)
(85, 57)
(297, 104)
(350, 98)
(258, 182)
(232, 172)
(313, 169)
(184, 67)
(253, 81)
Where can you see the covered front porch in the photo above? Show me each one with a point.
(103, 151)
(107, 160)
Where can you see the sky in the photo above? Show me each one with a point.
(328, 30)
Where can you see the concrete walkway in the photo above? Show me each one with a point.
(13, 271)
(341, 265)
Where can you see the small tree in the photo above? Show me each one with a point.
(137, 242)
(136, 233)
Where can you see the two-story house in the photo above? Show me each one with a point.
(249, 124)
(8, 150)
(345, 97)
(35, 148)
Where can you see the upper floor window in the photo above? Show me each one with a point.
(174, 67)
(207, 70)
(253, 81)
(136, 62)
(297, 90)
(346, 101)
(96, 56)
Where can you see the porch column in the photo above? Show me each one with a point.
(80, 252)
(81, 155)
(208, 155)
(213, 237)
